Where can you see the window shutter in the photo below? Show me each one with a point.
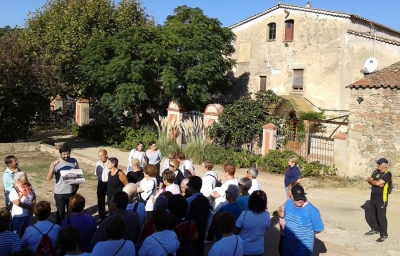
(298, 79)
(289, 29)
(263, 83)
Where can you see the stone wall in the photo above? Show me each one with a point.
(374, 130)
(330, 56)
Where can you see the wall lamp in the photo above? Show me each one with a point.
(360, 99)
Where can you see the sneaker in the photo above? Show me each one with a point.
(381, 239)
(371, 232)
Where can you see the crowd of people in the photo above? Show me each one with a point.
(167, 212)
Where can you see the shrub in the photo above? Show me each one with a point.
(165, 145)
(75, 129)
(133, 136)
(311, 169)
(276, 161)
(312, 115)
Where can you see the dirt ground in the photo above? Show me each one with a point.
(343, 206)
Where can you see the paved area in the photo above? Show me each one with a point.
(84, 150)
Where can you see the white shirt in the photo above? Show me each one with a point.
(255, 185)
(149, 187)
(104, 172)
(136, 154)
(221, 191)
(16, 210)
(209, 181)
(187, 165)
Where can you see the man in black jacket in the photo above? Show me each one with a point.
(380, 181)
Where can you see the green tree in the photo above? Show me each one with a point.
(4, 30)
(199, 57)
(241, 122)
(23, 101)
(185, 60)
(60, 30)
(123, 70)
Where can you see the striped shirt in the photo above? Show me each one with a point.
(300, 225)
(9, 243)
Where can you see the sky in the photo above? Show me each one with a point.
(387, 12)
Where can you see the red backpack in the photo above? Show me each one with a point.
(45, 247)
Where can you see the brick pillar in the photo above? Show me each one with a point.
(58, 103)
(174, 117)
(82, 112)
(340, 154)
(268, 138)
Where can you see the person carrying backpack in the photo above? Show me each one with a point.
(210, 179)
(41, 237)
(163, 241)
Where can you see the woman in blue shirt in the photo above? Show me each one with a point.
(292, 174)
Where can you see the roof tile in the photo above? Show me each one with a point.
(388, 77)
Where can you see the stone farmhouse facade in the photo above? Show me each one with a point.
(309, 55)
(374, 122)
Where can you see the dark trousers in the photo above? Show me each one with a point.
(378, 216)
(62, 204)
(101, 199)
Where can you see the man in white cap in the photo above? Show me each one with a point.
(381, 182)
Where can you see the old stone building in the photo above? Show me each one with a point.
(374, 122)
(310, 53)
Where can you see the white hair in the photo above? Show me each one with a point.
(131, 190)
(18, 176)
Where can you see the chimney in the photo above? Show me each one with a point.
(308, 5)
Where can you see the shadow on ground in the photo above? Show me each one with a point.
(50, 137)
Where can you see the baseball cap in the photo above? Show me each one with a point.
(298, 193)
(233, 190)
(382, 161)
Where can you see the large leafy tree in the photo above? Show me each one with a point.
(185, 60)
(23, 101)
(241, 122)
(59, 32)
(199, 56)
(123, 70)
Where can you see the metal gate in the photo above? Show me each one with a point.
(313, 147)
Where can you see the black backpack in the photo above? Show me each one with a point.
(218, 183)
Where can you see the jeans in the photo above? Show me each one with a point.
(62, 204)
(101, 198)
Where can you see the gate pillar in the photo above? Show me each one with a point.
(82, 112)
(268, 138)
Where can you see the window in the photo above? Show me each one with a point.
(289, 30)
(271, 31)
(263, 83)
(298, 78)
